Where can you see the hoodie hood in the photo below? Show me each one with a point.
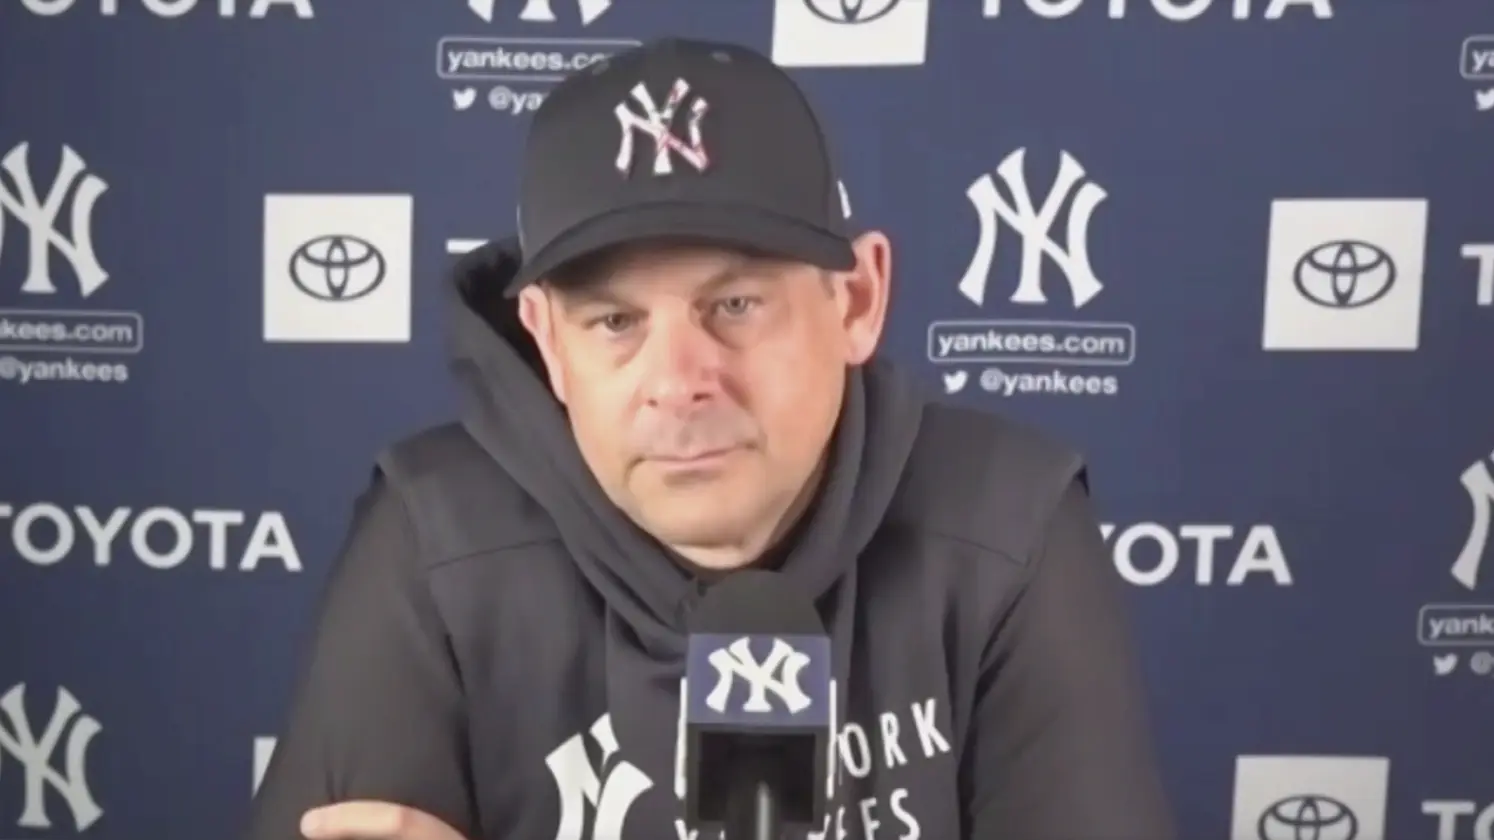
(511, 412)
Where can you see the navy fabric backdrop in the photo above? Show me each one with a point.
(1237, 250)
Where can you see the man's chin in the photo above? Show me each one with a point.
(707, 526)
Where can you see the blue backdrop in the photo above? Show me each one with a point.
(1239, 250)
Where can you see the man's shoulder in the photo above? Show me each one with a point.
(459, 498)
(985, 478)
(948, 431)
(432, 449)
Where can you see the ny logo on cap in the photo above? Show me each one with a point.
(658, 124)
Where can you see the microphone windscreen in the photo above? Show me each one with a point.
(752, 602)
(760, 699)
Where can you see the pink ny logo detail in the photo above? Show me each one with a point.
(657, 123)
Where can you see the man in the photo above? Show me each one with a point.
(676, 381)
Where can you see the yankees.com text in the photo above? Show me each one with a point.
(22, 330)
(461, 58)
(1456, 624)
(1050, 342)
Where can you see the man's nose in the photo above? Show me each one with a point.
(684, 363)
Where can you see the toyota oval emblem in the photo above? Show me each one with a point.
(1345, 274)
(851, 11)
(337, 268)
(1308, 816)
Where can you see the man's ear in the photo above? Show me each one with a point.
(864, 292)
(536, 312)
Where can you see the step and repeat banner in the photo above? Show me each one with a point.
(1240, 251)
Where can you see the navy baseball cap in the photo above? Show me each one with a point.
(679, 139)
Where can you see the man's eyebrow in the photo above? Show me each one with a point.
(590, 295)
(724, 275)
(601, 290)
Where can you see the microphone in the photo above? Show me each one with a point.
(759, 710)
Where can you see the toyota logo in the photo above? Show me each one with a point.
(337, 268)
(850, 11)
(1344, 274)
(1309, 816)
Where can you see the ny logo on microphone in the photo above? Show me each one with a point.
(766, 699)
(758, 680)
(779, 673)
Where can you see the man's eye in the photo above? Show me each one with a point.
(736, 306)
(613, 322)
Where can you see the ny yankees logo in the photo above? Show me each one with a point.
(264, 750)
(542, 11)
(1479, 483)
(36, 756)
(40, 217)
(1034, 225)
(736, 660)
(657, 123)
(611, 793)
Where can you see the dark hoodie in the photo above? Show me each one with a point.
(501, 647)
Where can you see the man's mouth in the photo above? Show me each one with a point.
(693, 457)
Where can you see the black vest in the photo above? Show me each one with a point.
(555, 754)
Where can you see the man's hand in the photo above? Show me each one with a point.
(369, 820)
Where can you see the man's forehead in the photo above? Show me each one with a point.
(698, 263)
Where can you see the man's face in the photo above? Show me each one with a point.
(703, 385)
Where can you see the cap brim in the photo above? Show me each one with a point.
(738, 226)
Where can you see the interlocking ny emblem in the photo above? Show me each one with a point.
(610, 794)
(1035, 226)
(658, 124)
(1479, 483)
(542, 11)
(40, 216)
(779, 674)
(18, 742)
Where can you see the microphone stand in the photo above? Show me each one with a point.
(753, 810)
